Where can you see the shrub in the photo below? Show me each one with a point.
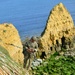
(4, 31)
(62, 66)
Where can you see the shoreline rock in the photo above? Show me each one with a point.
(59, 31)
(10, 40)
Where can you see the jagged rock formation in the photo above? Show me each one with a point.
(58, 30)
(10, 40)
(8, 66)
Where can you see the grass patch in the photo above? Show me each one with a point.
(62, 66)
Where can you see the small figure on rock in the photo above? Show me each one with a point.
(30, 49)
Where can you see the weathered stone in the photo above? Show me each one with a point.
(36, 63)
(70, 53)
(58, 48)
(8, 66)
(59, 27)
(10, 40)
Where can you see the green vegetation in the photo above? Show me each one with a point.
(7, 25)
(60, 8)
(4, 31)
(57, 65)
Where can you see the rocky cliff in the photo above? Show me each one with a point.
(8, 66)
(10, 40)
(58, 30)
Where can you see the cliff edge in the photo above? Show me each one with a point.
(10, 40)
(8, 66)
(58, 30)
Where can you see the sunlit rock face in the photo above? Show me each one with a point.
(8, 66)
(10, 40)
(59, 25)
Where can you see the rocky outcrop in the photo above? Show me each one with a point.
(58, 30)
(10, 40)
(8, 66)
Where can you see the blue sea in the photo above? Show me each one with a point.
(30, 16)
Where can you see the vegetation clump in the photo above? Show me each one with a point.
(57, 65)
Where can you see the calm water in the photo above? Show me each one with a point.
(30, 16)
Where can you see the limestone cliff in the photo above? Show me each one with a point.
(59, 25)
(8, 66)
(10, 40)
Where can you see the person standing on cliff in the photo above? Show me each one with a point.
(30, 49)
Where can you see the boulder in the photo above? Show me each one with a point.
(10, 40)
(36, 63)
(59, 28)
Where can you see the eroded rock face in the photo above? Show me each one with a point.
(59, 27)
(10, 40)
(8, 66)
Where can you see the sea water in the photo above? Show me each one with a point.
(30, 16)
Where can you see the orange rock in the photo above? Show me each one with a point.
(59, 24)
(10, 40)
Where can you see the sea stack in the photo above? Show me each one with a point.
(59, 28)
